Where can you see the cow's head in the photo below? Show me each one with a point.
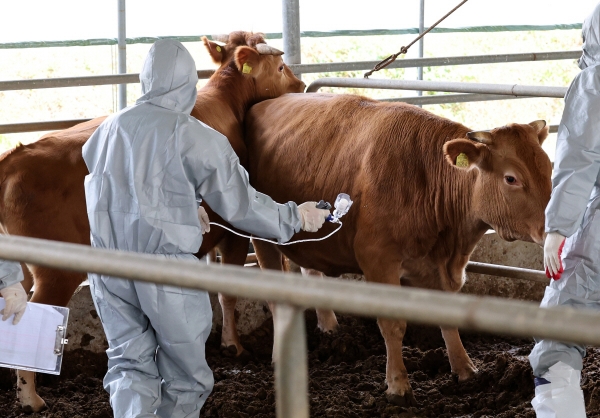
(514, 182)
(248, 54)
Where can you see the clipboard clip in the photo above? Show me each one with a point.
(60, 339)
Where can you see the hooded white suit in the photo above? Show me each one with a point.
(574, 212)
(149, 164)
(10, 273)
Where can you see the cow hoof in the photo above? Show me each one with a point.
(229, 351)
(405, 401)
(328, 331)
(31, 404)
(28, 409)
(466, 375)
(244, 356)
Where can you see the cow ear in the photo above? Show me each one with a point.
(246, 59)
(541, 129)
(463, 154)
(214, 49)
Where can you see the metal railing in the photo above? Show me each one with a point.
(12, 85)
(472, 267)
(515, 90)
(292, 293)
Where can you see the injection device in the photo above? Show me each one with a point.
(341, 205)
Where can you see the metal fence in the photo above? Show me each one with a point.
(293, 293)
(480, 94)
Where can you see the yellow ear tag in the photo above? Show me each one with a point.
(218, 48)
(246, 69)
(462, 160)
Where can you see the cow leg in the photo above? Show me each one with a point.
(398, 391)
(234, 250)
(52, 287)
(269, 257)
(326, 320)
(211, 256)
(460, 362)
(27, 278)
(378, 267)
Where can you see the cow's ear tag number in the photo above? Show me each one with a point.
(246, 69)
(462, 160)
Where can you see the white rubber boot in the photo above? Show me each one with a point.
(562, 397)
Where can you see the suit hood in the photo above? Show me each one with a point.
(590, 32)
(169, 77)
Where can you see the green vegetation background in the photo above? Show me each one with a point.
(89, 102)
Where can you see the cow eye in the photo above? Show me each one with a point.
(510, 180)
(280, 69)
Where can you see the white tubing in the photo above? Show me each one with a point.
(279, 243)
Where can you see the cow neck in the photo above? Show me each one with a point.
(229, 86)
(222, 104)
(459, 194)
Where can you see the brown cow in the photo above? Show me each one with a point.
(41, 189)
(425, 190)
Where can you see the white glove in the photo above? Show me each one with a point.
(16, 302)
(552, 252)
(204, 222)
(312, 218)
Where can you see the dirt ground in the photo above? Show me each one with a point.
(347, 371)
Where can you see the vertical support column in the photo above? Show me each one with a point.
(121, 57)
(291, 363)
(421, 45)
(291, 32)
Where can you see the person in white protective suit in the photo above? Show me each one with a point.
(15, 298)
(149, 164)
(573, 212)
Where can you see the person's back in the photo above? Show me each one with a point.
(149, 165)
(139, 197)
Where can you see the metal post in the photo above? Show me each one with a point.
(122, 60)
(291, 364)
(291, 32)
(421, 47)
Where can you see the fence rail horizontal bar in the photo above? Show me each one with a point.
(507, 271)
(12, 128)
(489, 314)
(451, 98)
(481, 268)
(278, 35)
(436, 62)
(96, 80)
(64, 124)
(516, 90)
(45, 83)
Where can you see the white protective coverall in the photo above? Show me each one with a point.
(148, 166)
(15, 298)
(10, 273)
(573, 210)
